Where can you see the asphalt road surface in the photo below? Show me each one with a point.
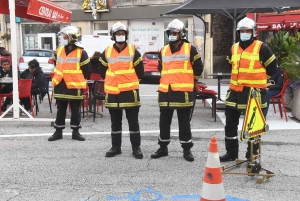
(33, 169)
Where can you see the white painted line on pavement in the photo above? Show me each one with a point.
(105, 133)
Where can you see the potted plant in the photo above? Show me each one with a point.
(291, 65)
(6, 36)
(286, 46)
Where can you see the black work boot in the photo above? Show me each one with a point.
(232, 150)
(56, 136)
(160, 152)
(227, 157)
(77, 136)
(255, 149)
(113, 151)
(137, 153)
(187, 155)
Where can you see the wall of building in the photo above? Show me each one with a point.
(219, 26)
(222, 41)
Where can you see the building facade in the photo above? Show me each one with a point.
(145, 24)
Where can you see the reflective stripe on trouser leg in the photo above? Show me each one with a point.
(165, 121)
(185, 134)
(75, 114)
(61, 114)
(231, 131)
(116, 127)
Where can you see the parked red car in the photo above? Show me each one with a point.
(4, 54)
(150, 60)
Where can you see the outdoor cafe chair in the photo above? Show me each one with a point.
(95, 76)
(279, 98)
(39, 96)
(202, 93)
(98, 94)
(24, 88)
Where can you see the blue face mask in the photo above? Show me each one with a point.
(245, 36)
(172, 38)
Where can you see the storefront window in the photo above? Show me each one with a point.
(30, 34)
(166, 41)
(101, 28)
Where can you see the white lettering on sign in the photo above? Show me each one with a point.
(45, 11)
(278, 26)
(145, 29)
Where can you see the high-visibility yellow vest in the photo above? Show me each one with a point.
(177, 70)
(68, 68)
(246, 67)
(120, 75)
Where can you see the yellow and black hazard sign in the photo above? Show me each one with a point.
(254, 120)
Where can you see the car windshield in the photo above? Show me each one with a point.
(34, 53)
(152, 55)
(3, 52)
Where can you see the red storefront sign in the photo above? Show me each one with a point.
(38, 10)
(277, 26)
(48, 10)
(273, 21)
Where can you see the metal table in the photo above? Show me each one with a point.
(220, 76)
(6, 81)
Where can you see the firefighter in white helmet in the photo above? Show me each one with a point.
(180, 66)
(69, 82)
(122, 68)
(250, 61)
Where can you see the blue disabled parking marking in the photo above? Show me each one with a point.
(156, 196)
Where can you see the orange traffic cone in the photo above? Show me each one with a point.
(213, 189)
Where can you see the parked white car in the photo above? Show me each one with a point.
(43, 56)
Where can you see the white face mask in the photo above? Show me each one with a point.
(120, 38)
(172, 38)
(64, 42)
(245, 36)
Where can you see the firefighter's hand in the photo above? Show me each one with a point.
(269, 84)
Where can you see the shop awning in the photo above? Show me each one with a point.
(275, 22)
(38, 10)
(233, 9)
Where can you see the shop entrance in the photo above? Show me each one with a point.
(47, 41)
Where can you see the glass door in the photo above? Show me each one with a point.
(47, 41)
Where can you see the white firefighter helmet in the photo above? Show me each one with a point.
(118, 27)
(176, 26)
(72, 32)
(246, 23)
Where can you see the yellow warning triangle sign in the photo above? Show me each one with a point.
(254, 120)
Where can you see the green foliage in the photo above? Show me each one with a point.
(286, 47)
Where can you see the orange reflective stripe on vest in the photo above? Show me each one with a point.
(177, 70)
(120, 74)
(246, 67)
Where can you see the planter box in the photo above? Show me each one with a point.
(288, 98)
(296, 104)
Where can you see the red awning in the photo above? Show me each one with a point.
(38, 10)
(275, 22)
